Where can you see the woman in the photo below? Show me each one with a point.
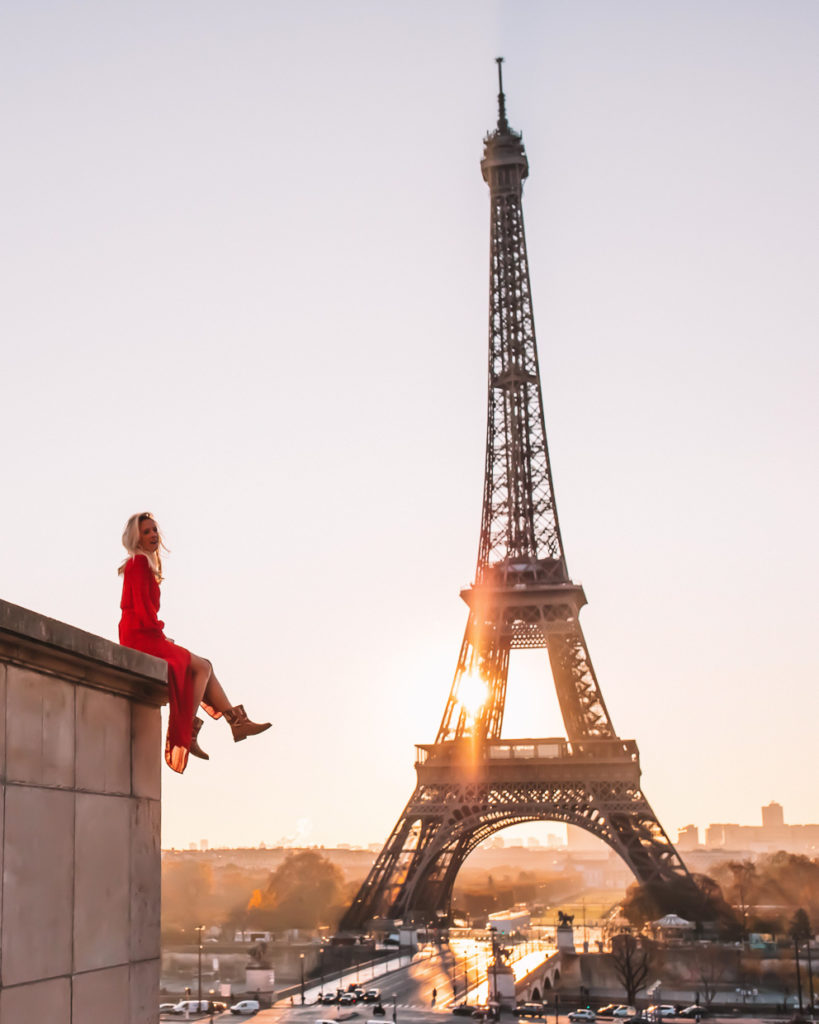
(191, 680)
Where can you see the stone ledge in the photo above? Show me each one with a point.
(48, 645)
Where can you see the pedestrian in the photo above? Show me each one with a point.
(434, 995)
(191, 679)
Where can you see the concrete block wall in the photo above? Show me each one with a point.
(80, 787)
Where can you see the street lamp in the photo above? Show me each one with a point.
(200, 928)
(321, 953)
(301, 960)
(492, 931)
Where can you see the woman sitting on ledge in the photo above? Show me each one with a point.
(191, 679)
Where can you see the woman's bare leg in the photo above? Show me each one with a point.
(215, 696)
(206, 686)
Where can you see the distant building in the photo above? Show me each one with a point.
(773, 834)
(688, 837)
(203, 844)
(579, 840)
(773, 816)
(509, 921)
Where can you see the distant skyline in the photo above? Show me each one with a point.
(521, 835)
(244, 286)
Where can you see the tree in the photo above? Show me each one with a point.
(799, 930)
(187, 894)
(633, 957)
(776, 880)
(711, 965)
(702, 901)
(305, 890)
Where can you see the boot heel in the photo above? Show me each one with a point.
(195, 749)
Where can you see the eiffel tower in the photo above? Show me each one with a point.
(472, 781)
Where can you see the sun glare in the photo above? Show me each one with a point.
(472, 694)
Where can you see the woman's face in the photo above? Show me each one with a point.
(148, 535)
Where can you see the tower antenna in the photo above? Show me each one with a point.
(503, 124)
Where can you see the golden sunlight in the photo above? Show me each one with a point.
(472, 694)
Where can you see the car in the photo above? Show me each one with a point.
(329, 998)
(245, 1006)
(190, 1006)
(608, 1010)
(583, 1014)
(621, 1011)
(372, 995)
(463, 1010)
(347, 999)
(166, 1007)
(694, 1012)
(663, 1010)
(530, 1010)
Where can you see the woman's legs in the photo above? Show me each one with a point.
(206, 686)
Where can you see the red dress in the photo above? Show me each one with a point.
(141, 629)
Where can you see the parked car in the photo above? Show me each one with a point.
(694, 1012)
(583, 1014)
(623, 1011)
(607, 1010)
(463, 1010)
(193, 1006)
(530, 1010)
(663, 1010)
(245, 1006)
(347, 999)
(372, 995)
(329, 998)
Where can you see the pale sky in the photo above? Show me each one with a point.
(244, 285)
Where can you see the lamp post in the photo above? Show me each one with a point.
(301, 961)
(321, 954)
(200, 928)
(492, 931)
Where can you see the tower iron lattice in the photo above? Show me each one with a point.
(472, 782)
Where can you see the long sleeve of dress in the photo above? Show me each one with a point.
(142, 606)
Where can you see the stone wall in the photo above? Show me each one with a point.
(80, 784)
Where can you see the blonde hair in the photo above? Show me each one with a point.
(130, 541)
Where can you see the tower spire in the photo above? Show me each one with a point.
(503, 124)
